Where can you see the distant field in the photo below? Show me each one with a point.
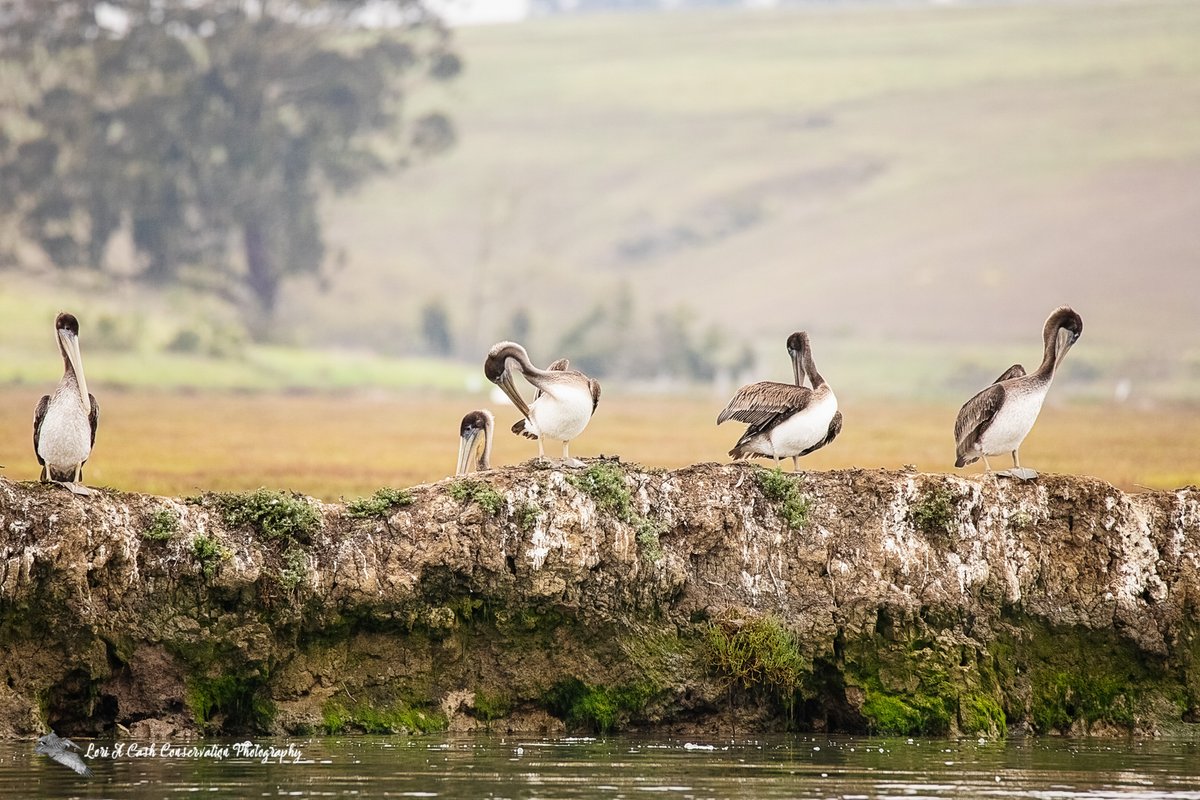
(918, 186)
(347, 446)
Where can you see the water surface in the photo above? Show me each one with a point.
(619, 767)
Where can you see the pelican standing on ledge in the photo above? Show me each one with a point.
(999, 418)
(469, 430)
(786, 420)
(563, 405)
(64, 424)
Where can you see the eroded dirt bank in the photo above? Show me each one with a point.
(716, 598)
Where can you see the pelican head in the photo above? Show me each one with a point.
(498, 367)
(1063, 328)
(473, 424)
(66, 327)
(797, 346)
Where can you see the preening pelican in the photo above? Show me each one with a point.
(999, 418)
(786, 420)
(64, 424)
(472, 426)
(518, 427)
(563, 405)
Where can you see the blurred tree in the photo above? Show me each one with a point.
(207, 129)
(435, 328)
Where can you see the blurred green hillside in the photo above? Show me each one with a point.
(918, 187)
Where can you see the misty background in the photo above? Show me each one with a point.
(273, 195)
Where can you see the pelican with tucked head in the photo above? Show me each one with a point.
(64, 424)
(786, 420)
(474, 425)
(563, 405)
(998, 419)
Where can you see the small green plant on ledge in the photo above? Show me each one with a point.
(295, 567)
(649, 545)
(779, 488)
(469, 490)
(208, 553)
(275, 515)
(604, 482)
(380, 504)
(527, 515)
(934, 512)
(162, 526)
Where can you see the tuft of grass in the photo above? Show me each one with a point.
(604, 482)
(469, 490)
(780, 488)
(380, 504)
(757, 654)
(163, 524)
(209, 553)
(934, 512)
(275, 515)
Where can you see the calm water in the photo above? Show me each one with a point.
(626, 767)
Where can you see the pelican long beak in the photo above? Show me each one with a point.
(70, 346)
(466, 446)
(505, 382)
(798, 367)
(1063, 342)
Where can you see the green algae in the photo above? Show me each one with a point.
(208, 553)
(393, 718)
(601, 709)
(229, 701)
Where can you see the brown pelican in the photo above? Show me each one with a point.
(64, 424)
(786, 420)
(469, 430)
(565, 400)
(518, 427)
(999, 418)
(59, 749)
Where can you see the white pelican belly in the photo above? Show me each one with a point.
(65, 438)
(1013, 421)
(803, 429)
(563, 415)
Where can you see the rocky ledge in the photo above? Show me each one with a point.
(721, 599)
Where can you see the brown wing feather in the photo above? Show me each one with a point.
(766, 402)
(39, 414)
(94, 416)
(974, 418)
(1015, 371)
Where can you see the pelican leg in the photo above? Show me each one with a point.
(44, 476)
(986, 466)
(568, 461)
(795, 463)
(1024, 473)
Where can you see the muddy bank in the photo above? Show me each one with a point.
(716, 598)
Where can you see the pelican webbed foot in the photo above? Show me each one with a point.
(76, 488)
(572, 463)
(1020, 473)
